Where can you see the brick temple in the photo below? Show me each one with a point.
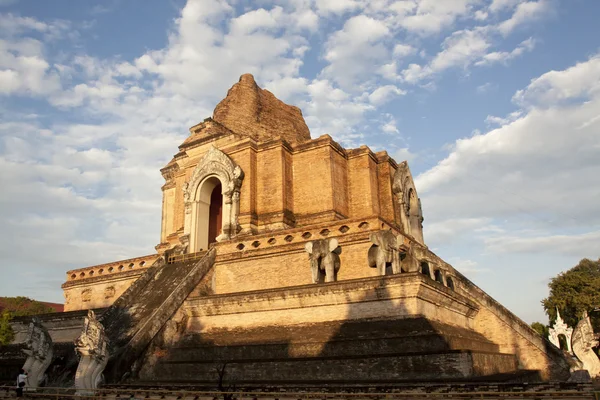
(293, 261)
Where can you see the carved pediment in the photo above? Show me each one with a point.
(215, 163)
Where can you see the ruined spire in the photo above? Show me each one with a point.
(256, 112)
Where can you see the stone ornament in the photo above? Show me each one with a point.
(411, 214)
(560, 328)
(583, 342)
(324, 259)
(386, 249)
(92, 348)
(217, 164)
(39, 350)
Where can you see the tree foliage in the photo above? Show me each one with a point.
(575, 291)
(6, 332)
(17, 307)
(20, 306)
(540, 328)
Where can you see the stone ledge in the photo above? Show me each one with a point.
(104, 278)
(395, 296)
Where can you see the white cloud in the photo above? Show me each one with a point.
(403, 50)
(354, 49)
(578, 245)
(536, 168)
(383, 94)
(505, 56)
(486, 87)
(525, 13)
(460, 49)
(326, 7)
(432, 16)
(502, 5)
(579, 82)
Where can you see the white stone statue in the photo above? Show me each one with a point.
(39, 353)
(583, 342)
(560, 328)
(92, 348)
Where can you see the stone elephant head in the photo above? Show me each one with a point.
(324, 259)
(385, 251)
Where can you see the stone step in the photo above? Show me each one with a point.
(135, 318)
(391, 367)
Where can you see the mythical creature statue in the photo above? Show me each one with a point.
(39, 352)
(324, 259)
(92, 348)
(584, 340)
(560, 328)
(385, 250)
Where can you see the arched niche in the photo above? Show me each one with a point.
(214, 170)
(424, 269)
(438, 276)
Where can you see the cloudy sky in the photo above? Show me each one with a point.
(495, 103)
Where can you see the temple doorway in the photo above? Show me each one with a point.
(207, 214)
(215, 219)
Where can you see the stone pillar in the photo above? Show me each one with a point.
(226, 231)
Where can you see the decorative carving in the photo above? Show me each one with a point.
(584, 340)
(109, 292)
(560, 328)
(324, 259)
(411, 214)
(86, 295)
(385, 250)
(218, 164)
(39, 350)
(92, 348)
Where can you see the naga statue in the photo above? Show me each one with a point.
(583, 342)
(92, 348)
(39, 350)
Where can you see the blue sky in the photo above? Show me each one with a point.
(494, 103)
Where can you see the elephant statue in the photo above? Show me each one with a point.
(324, 255)
(385, 251)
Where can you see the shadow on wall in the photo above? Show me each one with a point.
(512, 335)
(399, 345)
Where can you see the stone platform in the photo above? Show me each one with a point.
(397, 328)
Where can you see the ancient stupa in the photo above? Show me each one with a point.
(291, 261)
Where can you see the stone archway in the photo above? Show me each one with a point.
(214, 170)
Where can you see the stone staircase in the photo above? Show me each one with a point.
(138, 314)
(363, 352)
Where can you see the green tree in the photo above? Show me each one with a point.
(6, 332)
(575, 291)
(540, 328)
(20, 306)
